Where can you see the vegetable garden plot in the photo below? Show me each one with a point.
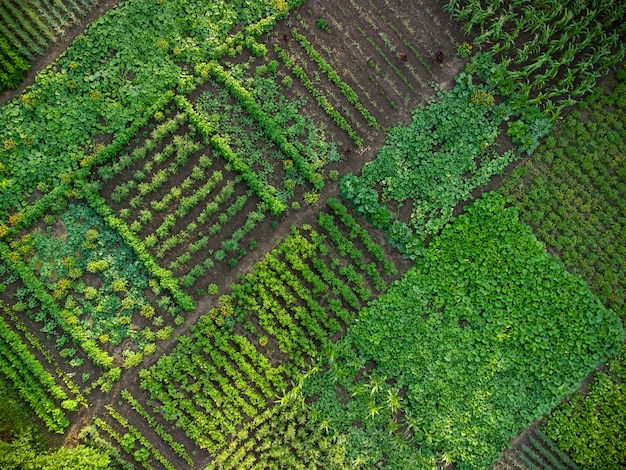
(212, 383)
(344, 107)
(266, 128)
(21, 333)
(90, 296)
(284, 313)
(184, 203)
(324, 280)
(118, 81)
(485, 334)
(340, 121)
(376, 50)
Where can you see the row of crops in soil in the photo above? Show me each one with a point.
(257, 235)
(27, 29)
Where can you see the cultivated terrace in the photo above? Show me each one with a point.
(262, 234)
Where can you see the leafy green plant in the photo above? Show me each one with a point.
(433, 164)
(484, 281)
(322, 24)
(13, 67)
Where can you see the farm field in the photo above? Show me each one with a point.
(262, 235)
(582, 222)
(30, 28)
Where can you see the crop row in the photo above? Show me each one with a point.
(542, 452)
(132, 439)
(389, 76)
(297, 292)
(321, 99)
(23, 303)
(394, 47)
(177, 447)
(384, 79)
(126, 160)
(166, 280)
(183, 147)
(194, 212)
(394, 24)
(334, 77)
(36, 386)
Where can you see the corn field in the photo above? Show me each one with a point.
(555, 49)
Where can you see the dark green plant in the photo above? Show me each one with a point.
(322, 24)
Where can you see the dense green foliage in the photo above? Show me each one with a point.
(12, 66)
(445, 153)
(21, 455)
(479, 339)
(588, 426)
(123, 291)
(573, 193)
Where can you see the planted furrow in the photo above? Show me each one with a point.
(321, 99)
(333, 76)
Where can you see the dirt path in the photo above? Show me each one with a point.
(57, 48)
